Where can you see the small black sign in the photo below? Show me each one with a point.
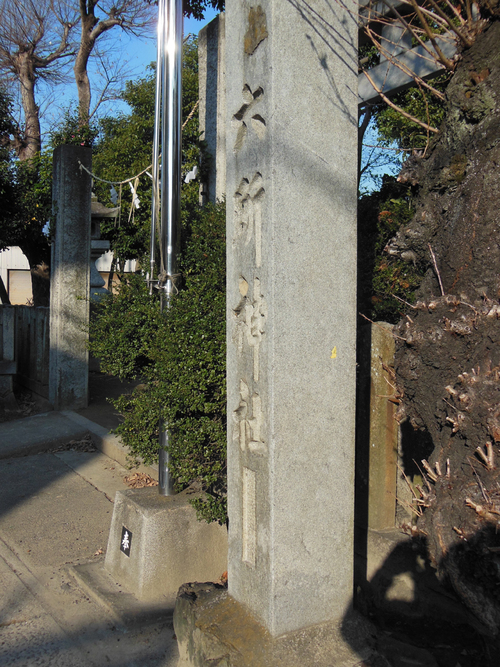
(126, 542)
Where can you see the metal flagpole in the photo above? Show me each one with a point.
(155, 193)
(170, 75)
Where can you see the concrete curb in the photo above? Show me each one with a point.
(109, 444)
(32, 435)
(125, 609)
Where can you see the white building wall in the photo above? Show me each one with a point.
(13, 259)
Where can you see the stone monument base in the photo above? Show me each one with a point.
(156, 544)
(213, 629)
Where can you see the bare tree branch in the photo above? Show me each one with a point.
(133, 16)
(28, 31)
(400, 65)
(395, 106)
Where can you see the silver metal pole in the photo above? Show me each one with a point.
(155, 195)
(170, 197)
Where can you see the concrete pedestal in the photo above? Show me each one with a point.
(164, 546)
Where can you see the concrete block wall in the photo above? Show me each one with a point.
(24, 349)
(33, 348)
(7, 356)
(7, 340)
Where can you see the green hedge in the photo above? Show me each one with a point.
(181, 358)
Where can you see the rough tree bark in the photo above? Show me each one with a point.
(31, 143)
(448, 367)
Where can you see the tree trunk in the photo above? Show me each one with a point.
(448, 366)
(32, 140)
(80, 67)
(92, 28)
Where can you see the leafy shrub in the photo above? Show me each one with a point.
(181, 358)
(72, 130)
(124, 327)
(381, 277)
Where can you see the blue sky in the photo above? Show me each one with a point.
(138, 54)
(144, 50)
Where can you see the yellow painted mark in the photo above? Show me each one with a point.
(334, 353)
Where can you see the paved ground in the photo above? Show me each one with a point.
(55, 512)
(58, 608)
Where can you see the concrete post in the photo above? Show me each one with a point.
(291, 237)
(212, 64)
(70, 279)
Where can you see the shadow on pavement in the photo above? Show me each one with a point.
(51, 517)
(418, 620)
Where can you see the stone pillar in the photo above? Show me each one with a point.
(211, 58)
(291, 237)
(70, 279)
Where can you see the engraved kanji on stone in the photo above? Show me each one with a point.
(248, 421)
(249, 516)
(244, 117)
(251, 314)
(248, 213)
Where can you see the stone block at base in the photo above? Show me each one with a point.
(213, 629)
(167, 544)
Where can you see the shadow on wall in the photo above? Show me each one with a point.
(335, 40)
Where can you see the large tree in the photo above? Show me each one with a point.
(25, 188)
(97, 18)
(448, 357)
(34, 45)
(38, 43)
(448, 344)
